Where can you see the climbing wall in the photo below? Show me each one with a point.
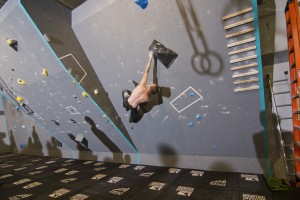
(57, 101)
(196, 119)
(25, 136)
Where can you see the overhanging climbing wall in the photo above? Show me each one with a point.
(197, 119)
(55, 101)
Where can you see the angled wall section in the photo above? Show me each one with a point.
(55, 101)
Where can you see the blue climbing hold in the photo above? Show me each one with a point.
(142, 3)
(198, 116)
(191, 124)
(17, 108)
(21, 146)
(192, 94)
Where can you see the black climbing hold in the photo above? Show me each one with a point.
(135, 83)
(13, 44)
(55, 122)
(163, 54)
(73, 121)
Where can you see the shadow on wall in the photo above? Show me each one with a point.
(53, 149)
(117, 153)
(13, 145)
(168, 155)
(84, 152)
(260, 143)
(34, 146)
(155, 99)
(204, 61)
(220, 166)
(4, 148)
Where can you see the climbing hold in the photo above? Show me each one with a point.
(103, 116)
(191, 124)
(163, 54)
(70, 70)
(19, 99)
(17, 108)
(74, 81)
(9, 41)
(56, 122)
(192, 94)
(21, 82)
(142, 3)
(45, 72)
(21, 146)
(84, 94)
(96, 91)
(198, 116)
(81, 139)
(12, 43)
(47, 38)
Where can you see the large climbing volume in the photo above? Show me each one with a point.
(165, 55)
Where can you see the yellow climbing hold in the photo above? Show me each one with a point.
(9, 41)
(19, 99)
(45, 72)
(84, 94)
(21, 82)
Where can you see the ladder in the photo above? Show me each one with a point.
(293, 30)
(286, 144)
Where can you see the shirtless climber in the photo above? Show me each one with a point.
(141, 94)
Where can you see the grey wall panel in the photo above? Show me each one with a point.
(116, 35)
(51, 98)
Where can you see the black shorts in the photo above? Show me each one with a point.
(125, 97)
